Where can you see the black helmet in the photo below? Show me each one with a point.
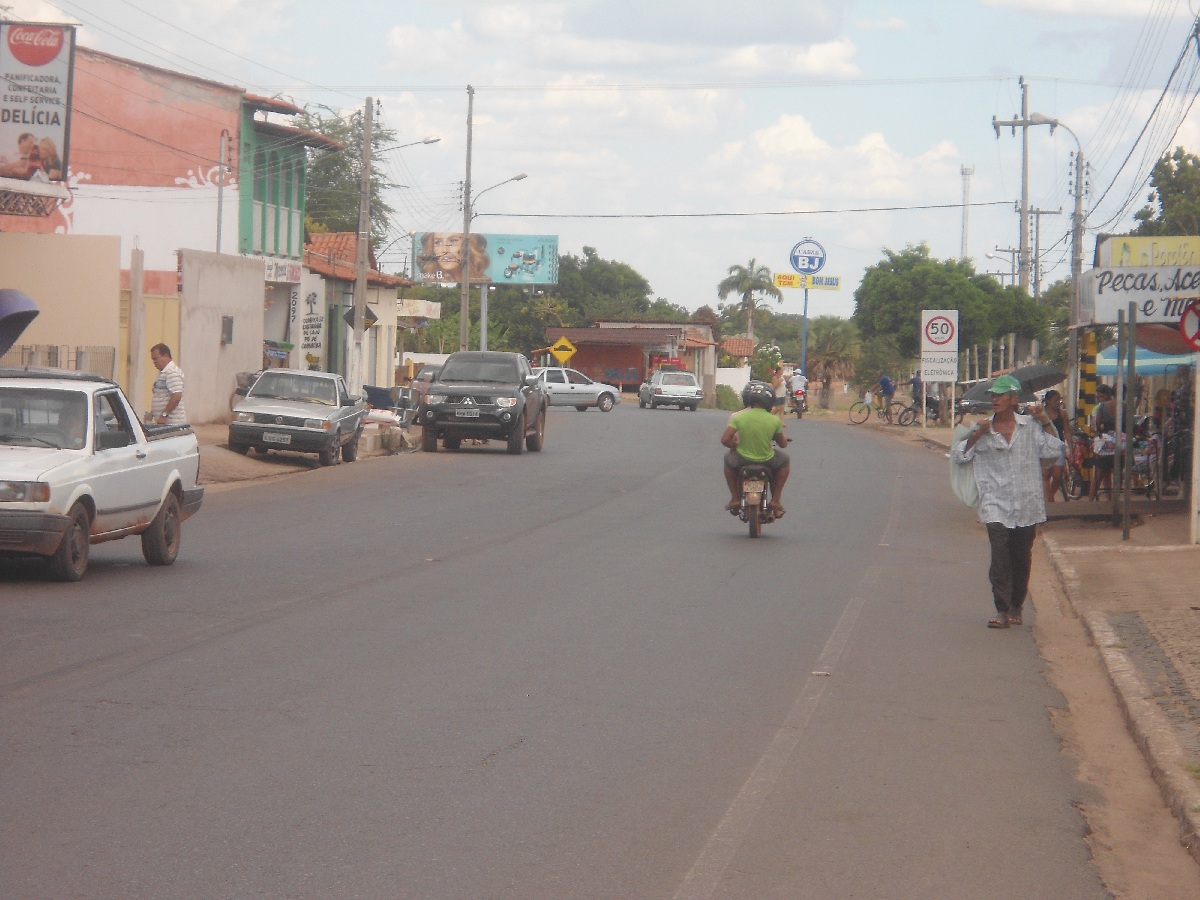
(758, 393)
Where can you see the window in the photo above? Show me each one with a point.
(577, 377)
(555, 376)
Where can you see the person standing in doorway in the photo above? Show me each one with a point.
(166, 407)
(1007, 451)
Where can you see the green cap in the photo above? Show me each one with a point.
(1005, 384)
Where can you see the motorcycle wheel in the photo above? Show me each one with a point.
(754, 518)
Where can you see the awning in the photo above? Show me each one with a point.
(1147, 361)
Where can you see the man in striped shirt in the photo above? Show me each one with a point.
(166, 407)
(1007, 452)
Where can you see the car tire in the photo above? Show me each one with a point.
(160, 542)
(605, 403)
(641, 403)
(242, 449)
(535, 441)
(582, 408)
(429, 440)
(452, 443)
(694, 407)
(516, 437)
(350, 448)
(331, 455)
(70, 560)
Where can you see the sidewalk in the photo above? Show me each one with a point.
(1140, 605)
(220, 466)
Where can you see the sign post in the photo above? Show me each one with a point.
(939, 352)
(807, 258)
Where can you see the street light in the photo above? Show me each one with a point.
(1076, 259)
(1013, 253)
(464, 310)
(428, 140)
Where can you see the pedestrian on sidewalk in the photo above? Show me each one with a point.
(166, 407)
(1007, 452)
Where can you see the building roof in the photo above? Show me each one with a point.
(335, 255)
(738, 346)
(642, 337)
(272, 104)
(299, 135)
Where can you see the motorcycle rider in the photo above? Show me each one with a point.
(749, 437)
(799, 385)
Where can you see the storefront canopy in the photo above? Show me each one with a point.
(1147, 362)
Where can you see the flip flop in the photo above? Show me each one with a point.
(1014, 618)
(998, 623)
(777, 511)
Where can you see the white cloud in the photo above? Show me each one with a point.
(889, 23)
(1084, 8)
(834, 58)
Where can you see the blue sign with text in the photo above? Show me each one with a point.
(808, 257)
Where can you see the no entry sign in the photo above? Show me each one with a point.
(1189, 324)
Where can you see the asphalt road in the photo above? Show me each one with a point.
(565, 674)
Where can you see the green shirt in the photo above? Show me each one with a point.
(755, 427)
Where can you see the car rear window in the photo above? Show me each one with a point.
(678, 378)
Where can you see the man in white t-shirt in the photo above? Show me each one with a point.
(166, 408)
(799, 382)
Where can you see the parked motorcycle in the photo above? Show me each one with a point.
(799, 401)
(755, 489)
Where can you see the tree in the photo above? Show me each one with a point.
(1175, 180)
(835, 343)
(746, 281)
(893, 293)
(334, 176)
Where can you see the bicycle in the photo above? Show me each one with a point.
(860, 411)
(909, 414)
(1073, 482)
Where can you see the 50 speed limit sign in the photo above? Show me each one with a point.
(939, 330)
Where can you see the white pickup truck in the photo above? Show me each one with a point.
(77, 467)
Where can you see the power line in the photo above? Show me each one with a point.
(731, 215)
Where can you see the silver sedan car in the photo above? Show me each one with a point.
(568, 387)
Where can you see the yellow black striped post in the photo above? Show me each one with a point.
(1087, 399)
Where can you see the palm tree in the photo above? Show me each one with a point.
(746, 281)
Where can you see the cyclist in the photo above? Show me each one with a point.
(886, 388)
(749, 436)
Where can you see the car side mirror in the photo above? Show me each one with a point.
(111, 440)
(241, 391)
(531, 380)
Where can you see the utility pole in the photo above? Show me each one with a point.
(966, 178)
(464, 306)
(1023, 123)
(355, 370)
(1037, 246)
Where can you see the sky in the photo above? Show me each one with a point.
(685, 137)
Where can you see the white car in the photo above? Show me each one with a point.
(671, 388)
(568, 387)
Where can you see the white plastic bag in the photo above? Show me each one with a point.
(962, 476)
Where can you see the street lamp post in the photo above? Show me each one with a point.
(1013, 253)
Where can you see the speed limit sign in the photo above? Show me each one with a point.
(939, 344)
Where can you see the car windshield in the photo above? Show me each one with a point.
(294, 387)
(37, 418)
(479, 371)
(678, 378)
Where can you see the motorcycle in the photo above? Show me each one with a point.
(755, 488)
(799, 401)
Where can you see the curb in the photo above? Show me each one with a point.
(1147, 723)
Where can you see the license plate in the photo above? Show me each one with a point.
(466, 413)
(272, 438)
(753, 485)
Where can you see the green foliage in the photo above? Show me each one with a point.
(745, 282)
(833, 342)
(892, 294)
(1175, 199)
(334, 176)
(727, 398)
(880, 354)
(766, 358)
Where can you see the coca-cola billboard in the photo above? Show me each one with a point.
(36, 66)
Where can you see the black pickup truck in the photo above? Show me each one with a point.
(483, 394)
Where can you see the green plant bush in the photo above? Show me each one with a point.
(727, 398)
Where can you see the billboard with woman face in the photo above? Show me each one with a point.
(500, 258)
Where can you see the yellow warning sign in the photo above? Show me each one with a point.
(562, 350)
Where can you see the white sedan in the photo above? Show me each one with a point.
(568, 387)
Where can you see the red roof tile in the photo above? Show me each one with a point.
(738, 346)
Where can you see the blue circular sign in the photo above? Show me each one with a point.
(808, 257)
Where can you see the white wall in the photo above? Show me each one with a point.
(736, 378)
(157, 220)
(214, 286)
